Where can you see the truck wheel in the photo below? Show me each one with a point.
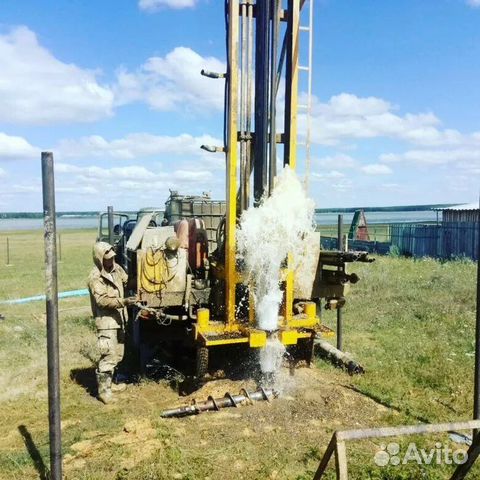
(309, 350)
(303, 351)
(201, 367)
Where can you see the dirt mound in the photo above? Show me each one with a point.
(137, 439)
(310, 407)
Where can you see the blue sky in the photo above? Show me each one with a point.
(113, 89)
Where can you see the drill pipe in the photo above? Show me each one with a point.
(338, 357)
(227, 400)
(338, 259)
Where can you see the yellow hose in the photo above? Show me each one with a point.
(154, 271)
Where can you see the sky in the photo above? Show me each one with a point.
(113, 89)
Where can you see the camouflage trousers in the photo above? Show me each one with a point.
(111, 346)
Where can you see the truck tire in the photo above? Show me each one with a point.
(201, 367)
(309, 347)
(303, 352)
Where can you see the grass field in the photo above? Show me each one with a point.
(410, 323)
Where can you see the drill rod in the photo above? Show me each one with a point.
(338, 357)
(227, 400)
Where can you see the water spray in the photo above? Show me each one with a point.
(268, 234)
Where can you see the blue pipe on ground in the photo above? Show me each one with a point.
(71, 293)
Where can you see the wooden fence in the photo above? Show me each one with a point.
(443, 240)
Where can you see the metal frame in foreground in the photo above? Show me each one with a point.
(338, 446)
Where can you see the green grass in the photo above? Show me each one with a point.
(413, 320)
(24, 276)
(409, 322)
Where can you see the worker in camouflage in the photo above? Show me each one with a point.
(106, 284)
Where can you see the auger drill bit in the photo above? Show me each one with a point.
(227, 400)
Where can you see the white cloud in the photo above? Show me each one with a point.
(347, 104)
(473, 3)
(173, 82)
(132, 173)
(346, 116)
(376, 169)
(468, 157)
(338, 161)
(23, 188)
(16, 148)
(155, 5)
(343, 185)
(135, 145)
(77, 190)
(328, 175)
(101, 174)
(37, 88)
(345, 166)
(391, 187)
(3, 173)
(126, 184)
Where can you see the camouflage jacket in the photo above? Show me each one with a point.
(107, 292)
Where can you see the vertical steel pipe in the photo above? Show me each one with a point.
(8, 252)
(243, 104)
(232, 158)
(249, 145)
(339, 309)
(51, 287)
(340, 234)
(476, 399)
(110, 225)
(262, 68)
(309, 100)
(281, 61)
(291, 84)
(272, 171)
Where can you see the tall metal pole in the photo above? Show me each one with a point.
(51, 286)
(291, 84)
(232, 157)
(249, 145)
(8, 252)
(309, 99)
(110, 225)
(272, 170)
(474, 451)
(339, 308)
(476, 400)
(243, 106)
(59, 247)
(262, 69)
(340, 233)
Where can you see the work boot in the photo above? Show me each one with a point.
(104, 385)
(118, 387)
(117, 384)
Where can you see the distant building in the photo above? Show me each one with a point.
(469, 212)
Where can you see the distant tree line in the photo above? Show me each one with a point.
(400, 208)
(40, 214)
